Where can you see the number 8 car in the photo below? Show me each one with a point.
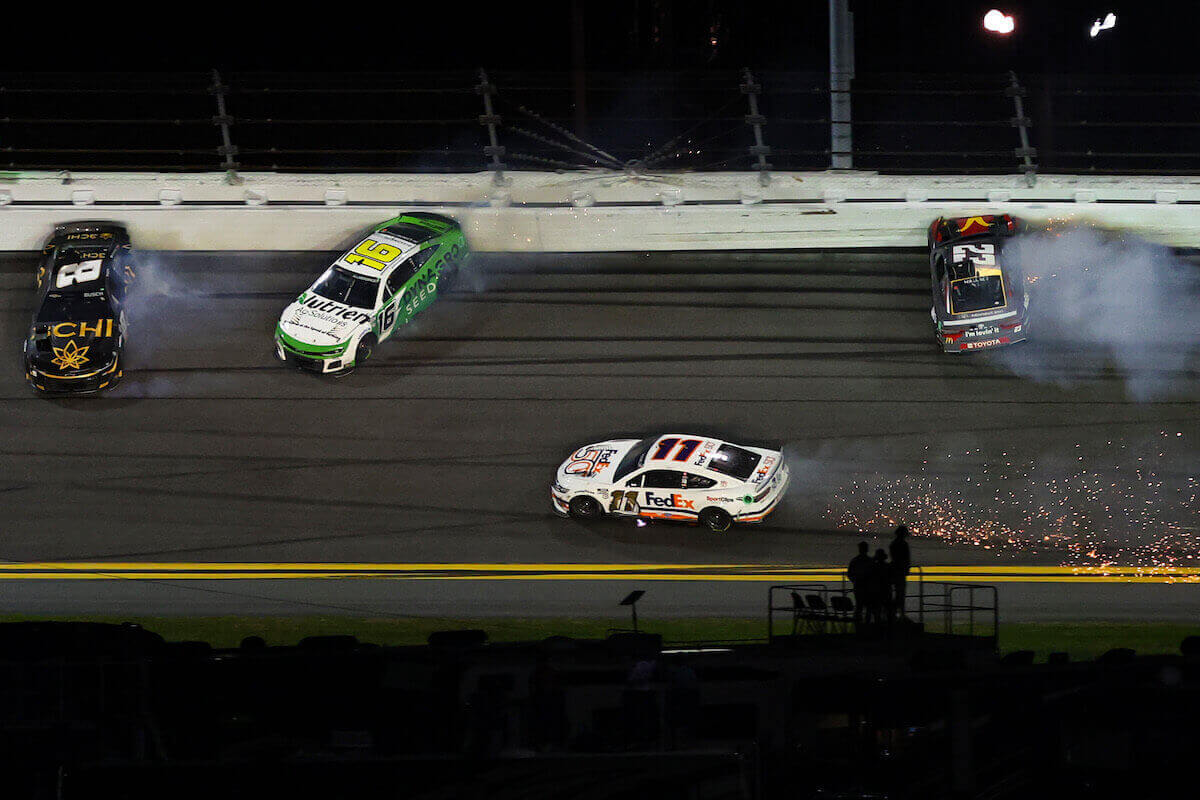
(76, 340)
(979, 298)
(674, 477)
(370, 291)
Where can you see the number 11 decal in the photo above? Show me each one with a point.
(624, 501)
(686, 448)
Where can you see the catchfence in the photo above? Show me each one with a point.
(466, 121)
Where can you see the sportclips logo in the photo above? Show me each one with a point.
(332, 311)
(670, 501)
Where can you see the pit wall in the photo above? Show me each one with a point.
(580, 211)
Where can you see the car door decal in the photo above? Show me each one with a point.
(623, 502)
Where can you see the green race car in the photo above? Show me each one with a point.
(371, 290)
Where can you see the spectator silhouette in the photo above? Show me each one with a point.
(548, 697)
(640, 701)
(683, 702)
(857, 572)
(876, 599)
(901, 563)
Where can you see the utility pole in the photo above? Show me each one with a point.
(841, 72)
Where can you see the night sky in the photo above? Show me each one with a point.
(1151, 37)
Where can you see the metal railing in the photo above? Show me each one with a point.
(960, 609)
(455, 121)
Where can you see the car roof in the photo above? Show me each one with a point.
(70, 258)
(407, 248)
(697, 460)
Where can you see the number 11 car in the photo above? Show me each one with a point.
(370, 291)
(979, 298)
(75, 342)
(675, 477)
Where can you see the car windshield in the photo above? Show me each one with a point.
(633, 459)
(342, 286)
(73, 308)
(976, 294)
(734, 461)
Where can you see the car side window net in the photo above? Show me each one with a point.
(416, 262)
(664, 479)
(395, 283)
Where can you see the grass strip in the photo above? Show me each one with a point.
(1082, 640)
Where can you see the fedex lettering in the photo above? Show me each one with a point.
(671, 501)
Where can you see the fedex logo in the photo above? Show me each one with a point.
(671, 501)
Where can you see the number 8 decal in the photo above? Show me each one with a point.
(82, 272)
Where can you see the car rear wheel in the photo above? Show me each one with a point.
(584, 507)
(716, 520)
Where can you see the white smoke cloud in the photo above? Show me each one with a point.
(1101, 300)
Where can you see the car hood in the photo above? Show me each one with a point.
(71, 348)
(319, 322)
(594, 462)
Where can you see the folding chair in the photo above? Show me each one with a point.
(843, 610)
(818, 615)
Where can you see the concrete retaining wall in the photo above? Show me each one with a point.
(580, 211)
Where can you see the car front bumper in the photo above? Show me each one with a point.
(311, 363)
(89, 383)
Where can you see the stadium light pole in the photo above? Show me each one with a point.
(841, 72)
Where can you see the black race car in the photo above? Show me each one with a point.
(979, 298)
(75, 341)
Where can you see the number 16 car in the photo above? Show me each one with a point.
(674, 477)
(370, 291)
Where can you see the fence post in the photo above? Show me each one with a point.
(490, 120)
(223, 121)
(1022, 123)
(841, 73)
(756, 120)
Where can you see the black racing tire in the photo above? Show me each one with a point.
(716, 520)
(364, 349)
(585, 508)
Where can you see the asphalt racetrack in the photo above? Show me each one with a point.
(407, 486)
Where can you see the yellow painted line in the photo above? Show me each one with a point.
(601, 576)
(774, 573)
(256, 566)
(359, 567)
(232, 566)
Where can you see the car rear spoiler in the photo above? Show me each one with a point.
(118, 232)
(952, 229)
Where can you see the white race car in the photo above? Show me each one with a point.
(671, 477)
(370, 291)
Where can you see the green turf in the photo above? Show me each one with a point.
(1081, 639)
(1090, 639)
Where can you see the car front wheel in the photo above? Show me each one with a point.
(584, 507)
(366, 346)
(716, 520)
